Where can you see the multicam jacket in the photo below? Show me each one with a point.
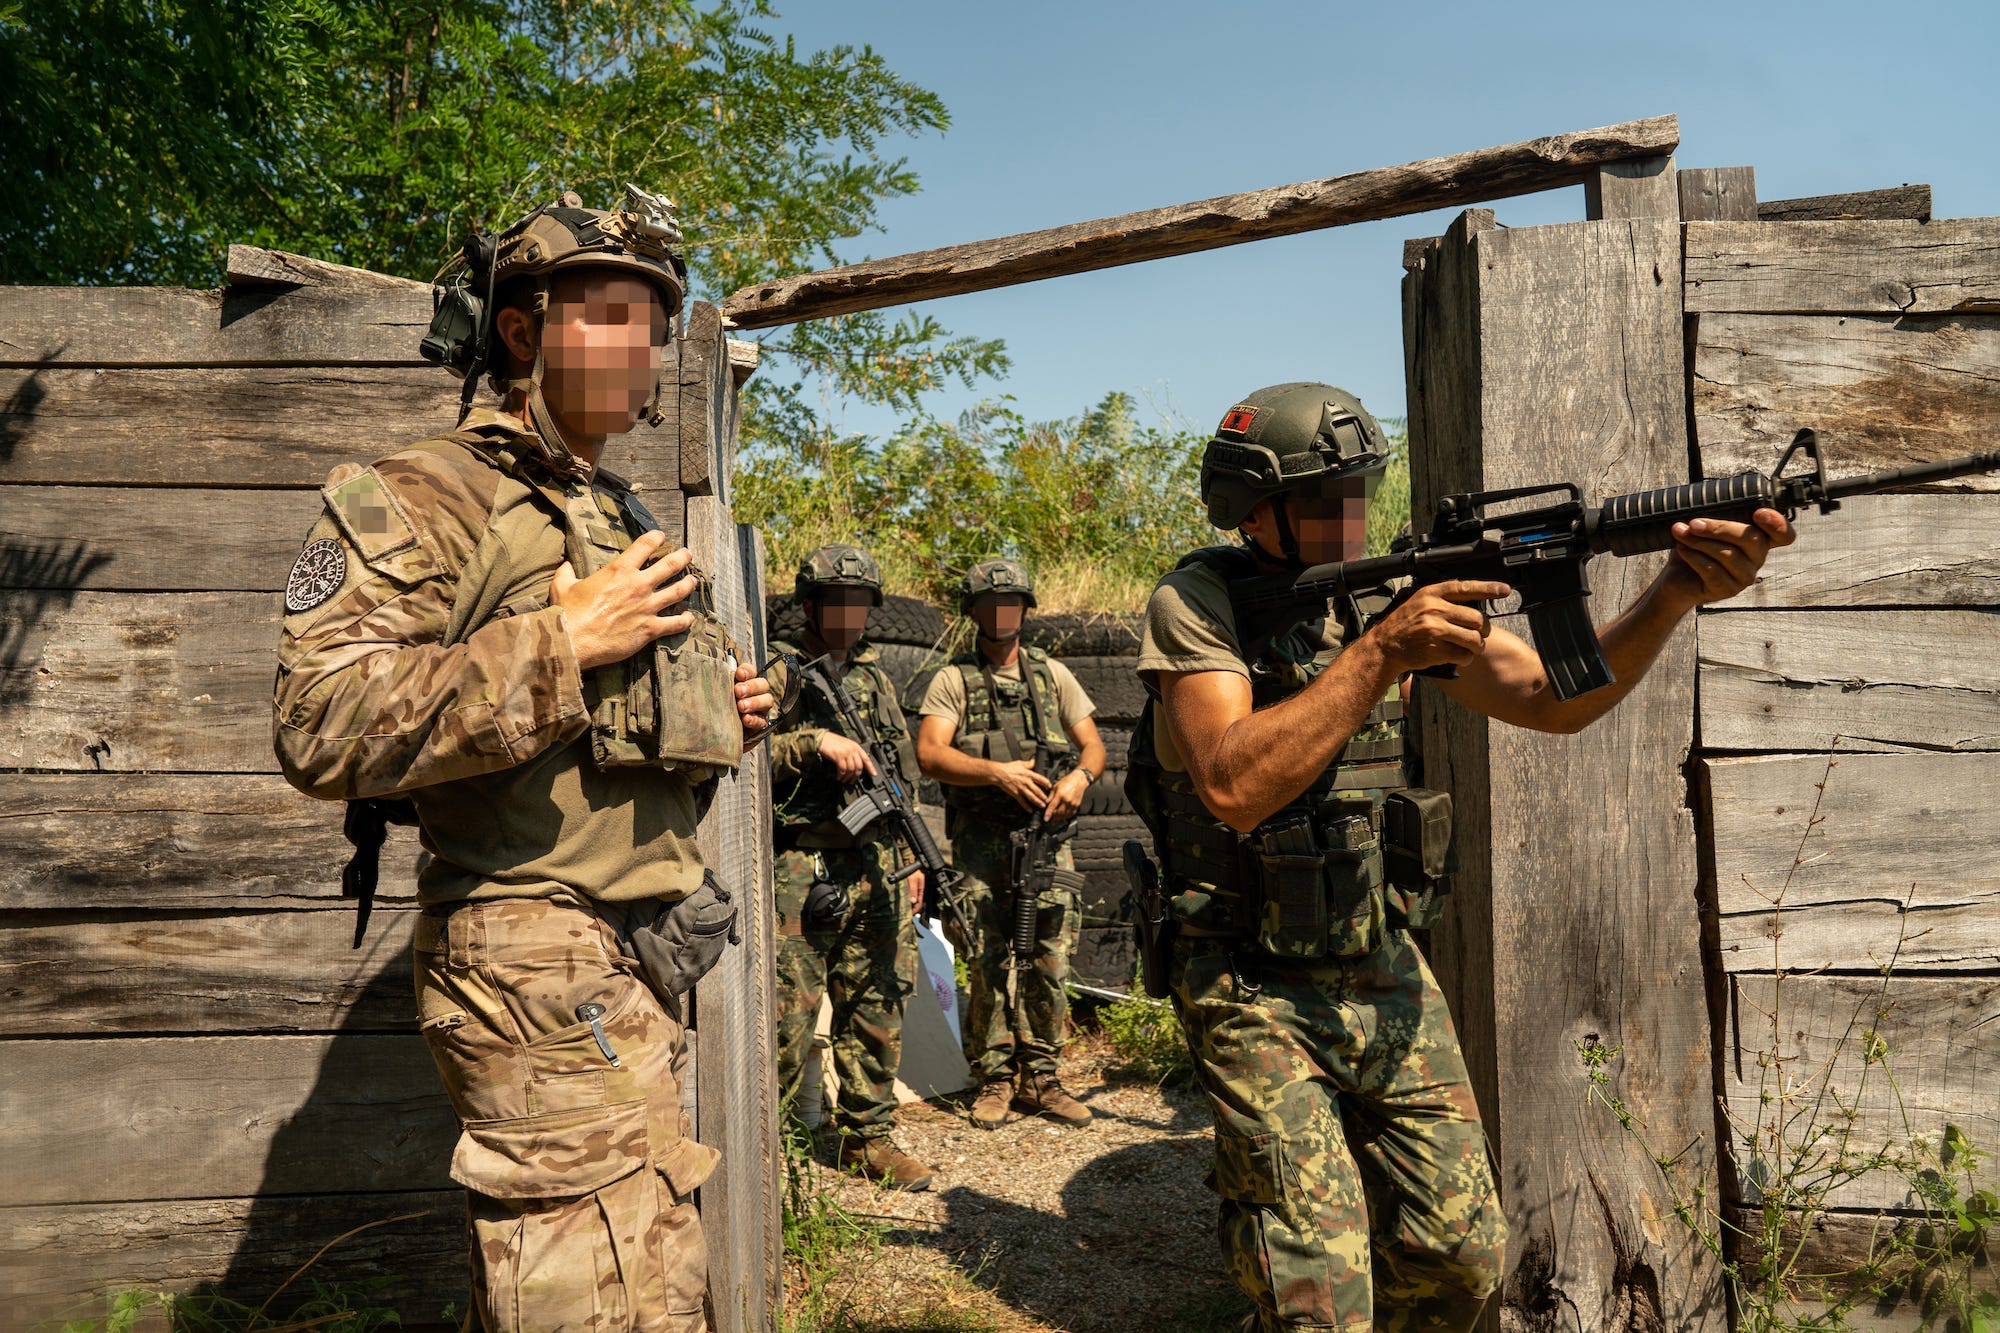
(421, 657)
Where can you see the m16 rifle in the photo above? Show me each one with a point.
(1541, 552)
(885, 795)
(1035, 873)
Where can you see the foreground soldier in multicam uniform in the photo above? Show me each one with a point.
(1008, 733)
(1295, 860)
(467, 626)
(846, 928)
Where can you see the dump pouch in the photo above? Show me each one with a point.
(1418, 856)
(1155, 927)
(683, 940)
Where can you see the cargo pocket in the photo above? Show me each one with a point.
(563, 1154)
(1253, 1170)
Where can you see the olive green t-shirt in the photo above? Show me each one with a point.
(946, 695)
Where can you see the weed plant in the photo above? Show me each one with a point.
(1802, 1146)
(1148, 1036)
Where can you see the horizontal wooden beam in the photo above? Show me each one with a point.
(1894, 268)
(236, 326)
(1081, 247)
(1890, 823)
(1882, 391)
(253, 265)
(1946, 1067)
(179, 842)
(1793, 680)
(1885, 550)
(137, 538)
(1910, 202)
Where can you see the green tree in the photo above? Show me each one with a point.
(149, 134)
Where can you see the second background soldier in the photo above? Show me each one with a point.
(1007, 731)
(846, 928)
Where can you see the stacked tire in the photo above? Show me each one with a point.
(1101, 649)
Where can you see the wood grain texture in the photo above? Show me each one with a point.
(1894, 827)
(708, 406)
(272, 426)
(138, 682)
(220, 1117)
(52, 1257)
(1490, 173)
(1945, 1063)
(1908, 268)
(1564, 359)
(179, 842)
(101, 974)
(1882, 391)
(1718, 194)
(236, 326)
(1793, 680)
(1886, 550)
(252, 265)
(1640, 187)
(1909, 202)
(137, 538)
(1840, 1243)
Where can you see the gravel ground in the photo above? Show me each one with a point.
(1039, 1226)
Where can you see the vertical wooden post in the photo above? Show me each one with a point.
(1538, 355)
(1718, 194)
(1639, 187)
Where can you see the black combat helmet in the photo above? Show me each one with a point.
(839, 565)
(995, 576)
(1284, 438)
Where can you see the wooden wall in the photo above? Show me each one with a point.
(200, 1084)
(1881, 627)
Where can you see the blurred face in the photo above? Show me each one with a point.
(602, 341)
(1331, 523)
(840, 616)
(999, 614)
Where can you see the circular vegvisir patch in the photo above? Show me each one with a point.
(316, 575)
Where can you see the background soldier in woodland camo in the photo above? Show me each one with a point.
(1008, 733)
(845, 929)
(1296, 856)
(460, 616)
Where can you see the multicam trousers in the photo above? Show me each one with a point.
(868, 965)
(999, 1043)
(1356, 1188)
(579, 1169)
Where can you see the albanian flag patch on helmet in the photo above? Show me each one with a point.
(1236, 421)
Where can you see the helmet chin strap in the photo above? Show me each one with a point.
(1288, 539)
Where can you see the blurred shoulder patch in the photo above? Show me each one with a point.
(368, 514)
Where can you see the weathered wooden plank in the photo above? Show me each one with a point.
(1887, 550)
(99, 974)
(54, 1257)
(1640, 187)
(1909, 202)
(137, 682)
(220, 1117)
(1718, 194)
(213, 426)
(1489, 173)
(253, 265)
(1584, 860)
(1840, 1243)
(1882, 391)
(137, 538)
(179, 842)
(707, 402)
(1945, 1065)
(1894, 827)
(236, 326)
(1909, 268)
(1793, 680)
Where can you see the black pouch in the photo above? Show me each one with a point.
(1355, 912)
(1418, 856)
(685, 940)
(1291, 919)
(1155, 927)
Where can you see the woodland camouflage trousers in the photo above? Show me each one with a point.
(867, 965)
(1356, 1188)
(998, 1043)
(579, 1170)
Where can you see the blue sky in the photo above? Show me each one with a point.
(1064, 112)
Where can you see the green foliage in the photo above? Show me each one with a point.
(1148, 1035)
(341, 1307)
(818, 1235)
(1389, 507)
(147, 135)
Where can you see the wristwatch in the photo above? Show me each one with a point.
(1088, 776)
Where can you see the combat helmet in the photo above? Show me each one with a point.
(1000, 575)
(838, 566)
(1282, 438)
(640, 239)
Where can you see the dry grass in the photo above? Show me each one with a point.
(1038, 1227)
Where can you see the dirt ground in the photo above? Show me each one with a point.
(1039, 1226)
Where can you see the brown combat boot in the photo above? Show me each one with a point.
(1042, 1094)
(989, 1108)
(881, 1161)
